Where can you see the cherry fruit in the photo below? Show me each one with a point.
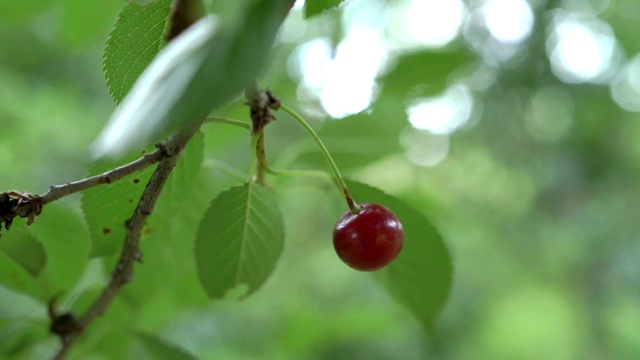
(370, 239)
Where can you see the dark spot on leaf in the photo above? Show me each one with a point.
(131, 200)
(106, 231)
(136, 180)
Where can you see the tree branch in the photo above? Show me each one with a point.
(22, 204)
(184, 13)
(260, 102)
(59, 191)
(123, 273)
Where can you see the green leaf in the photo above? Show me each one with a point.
(136, 38)
(239, 240)
(422, 73)
(58, 236)
(140, 2)
(65, 238)
(108, 206)
(24, 248)
(204, 67)
(160, 349)
(184, 174)
(16, 306)
(420, 278)
(315, 7)
(16, 277)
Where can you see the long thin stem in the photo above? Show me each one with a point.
(223, 120)
(29, 206)
(59, 191)
(350, 202)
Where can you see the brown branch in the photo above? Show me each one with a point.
(59, 191)
(25, 205)
(261, 102)
(123, 272)
(184, 13)
(164, 150)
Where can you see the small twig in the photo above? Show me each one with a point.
(15, 204)
(260, 102)
(123, 272)
(223, 120)
(59, 191)
(18, 204)
(184, 13)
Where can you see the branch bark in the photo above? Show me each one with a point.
(261, 102)
(171, 150)
(184, 13)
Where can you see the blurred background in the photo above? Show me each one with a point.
(512, 124)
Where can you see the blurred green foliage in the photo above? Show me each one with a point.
(541, 222)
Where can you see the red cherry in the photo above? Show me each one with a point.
(370, 239)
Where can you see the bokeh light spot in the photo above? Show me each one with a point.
(580, 50)
(427, 23)
(625, 90)
(444, 114)
(509, 21)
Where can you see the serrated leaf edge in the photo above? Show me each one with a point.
(109, 81)
(242, 252)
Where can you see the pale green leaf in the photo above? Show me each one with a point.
(182, 177)
(23, 248)
(420, 278)
(134, 41)
(239, 240)
(16, 306)
(65, 238)
(204, 67)
(15, 276)
(108, 206)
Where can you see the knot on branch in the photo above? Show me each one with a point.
(24, 205)
(64, 324)
(261, 103)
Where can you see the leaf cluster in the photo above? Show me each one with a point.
(211, 236)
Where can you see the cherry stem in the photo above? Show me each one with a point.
(222, 120)
(343, 186)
